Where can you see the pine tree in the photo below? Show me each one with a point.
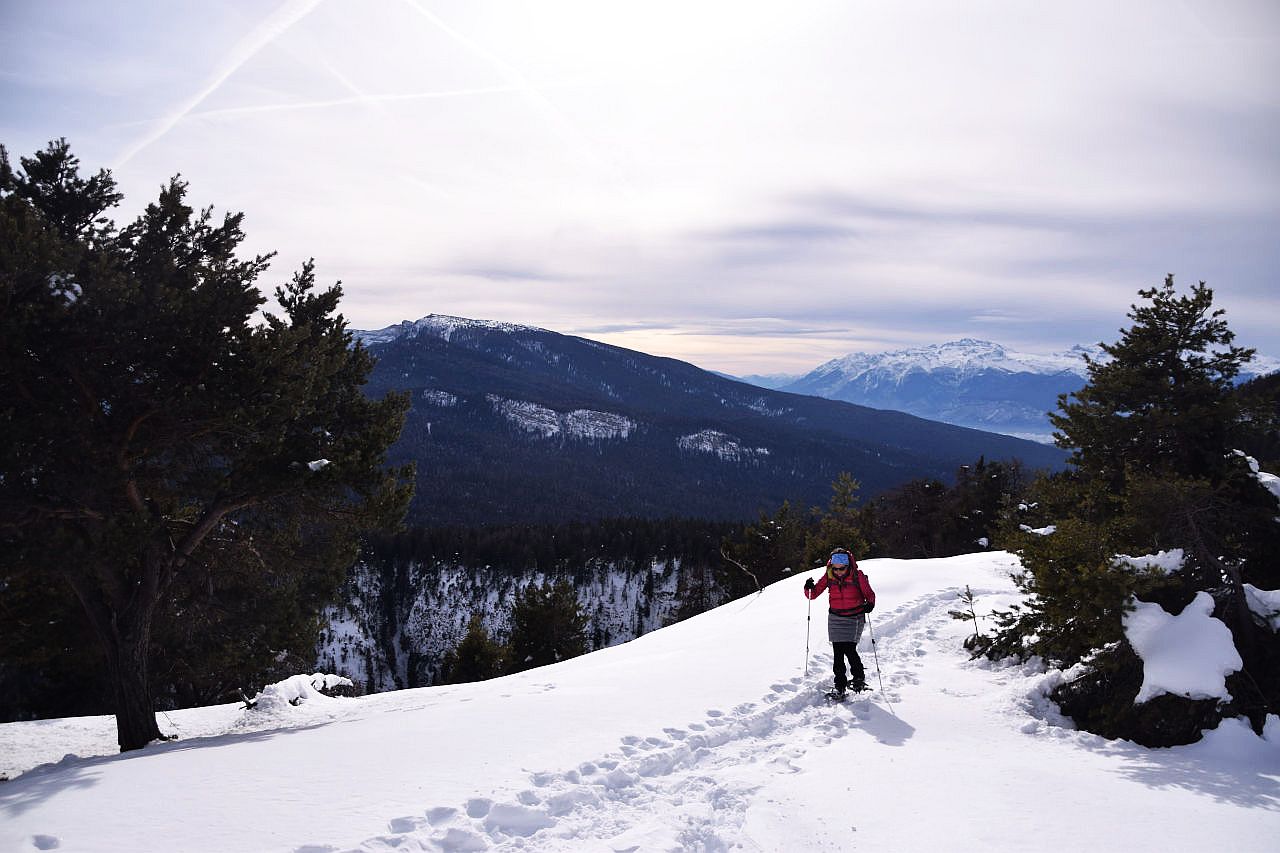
(478, 656)
(156, 433)
(841, 526)
(766, 551)
(1153, 469)
(1163, 401)
(547, 625)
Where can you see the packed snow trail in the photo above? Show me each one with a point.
(687, 788)
(692, 787)
(701, 736)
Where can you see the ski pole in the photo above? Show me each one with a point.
(807, 619)
(875, 654)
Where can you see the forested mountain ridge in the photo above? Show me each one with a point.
(514, 424)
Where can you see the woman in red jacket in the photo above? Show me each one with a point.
(851, 597)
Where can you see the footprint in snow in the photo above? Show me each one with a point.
(440, 814)
(412, 823)
(478, 807)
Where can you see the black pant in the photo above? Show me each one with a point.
(850, 651)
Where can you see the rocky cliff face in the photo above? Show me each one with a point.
(398, 619)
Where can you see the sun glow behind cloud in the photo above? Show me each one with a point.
(893, 173)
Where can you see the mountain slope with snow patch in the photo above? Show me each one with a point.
(511, 424)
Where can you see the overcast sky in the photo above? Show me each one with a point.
(754, 187)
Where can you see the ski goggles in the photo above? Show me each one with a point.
(839, 561)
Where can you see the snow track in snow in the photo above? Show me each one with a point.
(688, 787)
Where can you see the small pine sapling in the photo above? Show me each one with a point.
(969, 614)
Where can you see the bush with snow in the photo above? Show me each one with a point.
(295, 690)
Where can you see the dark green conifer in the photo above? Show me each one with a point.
(478, 656)
(1155, 468)
(547, 625)
(159, 437)
(841, 526)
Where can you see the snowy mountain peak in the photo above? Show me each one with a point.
(441, 326)
(965, 356)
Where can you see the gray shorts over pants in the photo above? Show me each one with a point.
(844, 633)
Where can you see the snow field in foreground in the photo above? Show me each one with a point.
(707, 735)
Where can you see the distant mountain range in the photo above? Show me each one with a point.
(972, 383)
(517, 424)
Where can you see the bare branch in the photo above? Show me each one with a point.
(748, 572)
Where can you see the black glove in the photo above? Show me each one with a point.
(869, 607)
(808, 585)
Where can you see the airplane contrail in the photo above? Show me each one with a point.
(518, 80)
(272, 27)
(354, 99)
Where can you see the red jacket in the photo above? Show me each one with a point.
(848, 597)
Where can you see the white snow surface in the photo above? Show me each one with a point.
(1165, 562)
(1265, 604)
(1190, 654)
(1269, 481)
(707, 735)
(1047, 530)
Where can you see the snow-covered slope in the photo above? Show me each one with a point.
(707, 735)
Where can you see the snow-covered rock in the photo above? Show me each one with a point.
(392, 630)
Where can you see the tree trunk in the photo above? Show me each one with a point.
(124, 630)
(127, 667)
